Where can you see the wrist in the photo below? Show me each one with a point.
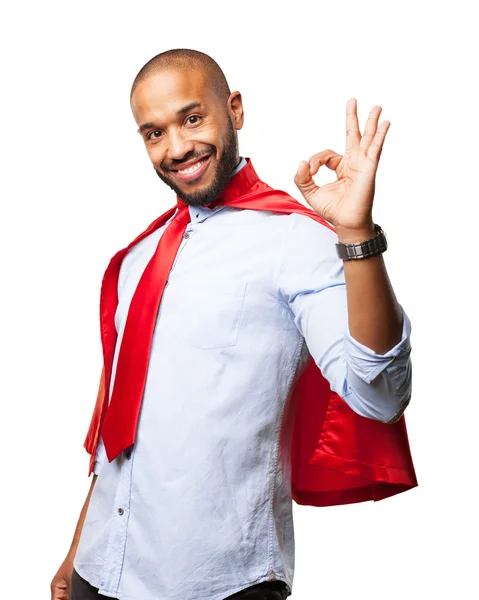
(70, 557)
(352, 236)
(361, 243)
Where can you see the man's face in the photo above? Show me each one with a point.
(190, 136)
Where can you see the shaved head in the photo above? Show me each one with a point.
(184, 59)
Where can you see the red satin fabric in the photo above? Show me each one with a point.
(337, 456)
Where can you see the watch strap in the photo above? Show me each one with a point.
(365, 249)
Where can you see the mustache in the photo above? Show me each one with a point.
(185, 160)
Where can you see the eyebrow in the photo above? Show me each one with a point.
(179, 113)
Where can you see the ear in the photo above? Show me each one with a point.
(235, 107)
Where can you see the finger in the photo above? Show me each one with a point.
(304, 180)
(303, 174)
(353, 135)
(370, 129)
(376, 146)
(327, 157)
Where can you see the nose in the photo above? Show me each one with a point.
(178, 146)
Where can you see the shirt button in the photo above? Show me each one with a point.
(186, 236)
(120, 511)
(128, 453)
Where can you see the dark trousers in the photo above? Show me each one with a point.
(267, 590)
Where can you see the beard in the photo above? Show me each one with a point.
(225, 167)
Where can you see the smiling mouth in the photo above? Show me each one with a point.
(192, 172)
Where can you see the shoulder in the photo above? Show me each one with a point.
(287, 223)
(307, 234)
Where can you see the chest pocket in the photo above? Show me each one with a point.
(211, 319)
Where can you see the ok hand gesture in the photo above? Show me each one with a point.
(347, 202)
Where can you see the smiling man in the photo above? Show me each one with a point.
(193, 145)
(232, 313)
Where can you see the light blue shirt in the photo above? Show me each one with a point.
(201, 508)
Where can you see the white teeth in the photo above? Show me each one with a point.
(193, 168)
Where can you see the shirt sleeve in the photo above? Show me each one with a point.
(99, 457)
(312, 286)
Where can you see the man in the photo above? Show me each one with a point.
(191, 494)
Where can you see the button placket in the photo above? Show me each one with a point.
(113, 565)
(186, 235)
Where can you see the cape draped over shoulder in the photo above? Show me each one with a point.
(337, 456)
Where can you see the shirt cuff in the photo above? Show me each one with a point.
(367, 364)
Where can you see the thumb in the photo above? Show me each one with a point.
(304, 180)
(303, 173)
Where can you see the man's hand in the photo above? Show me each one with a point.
(61, 584)
(347, 202)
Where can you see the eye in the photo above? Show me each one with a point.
(193, 117)
(148, 137)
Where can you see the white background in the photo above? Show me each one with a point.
(77, 185)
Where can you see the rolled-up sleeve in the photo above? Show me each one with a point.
(313, 287)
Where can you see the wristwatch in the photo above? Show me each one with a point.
(371, 247)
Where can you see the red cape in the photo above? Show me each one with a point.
(337, 456)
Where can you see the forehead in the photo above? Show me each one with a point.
(162, 94)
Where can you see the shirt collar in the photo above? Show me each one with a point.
(241, 164)
(243, 177)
